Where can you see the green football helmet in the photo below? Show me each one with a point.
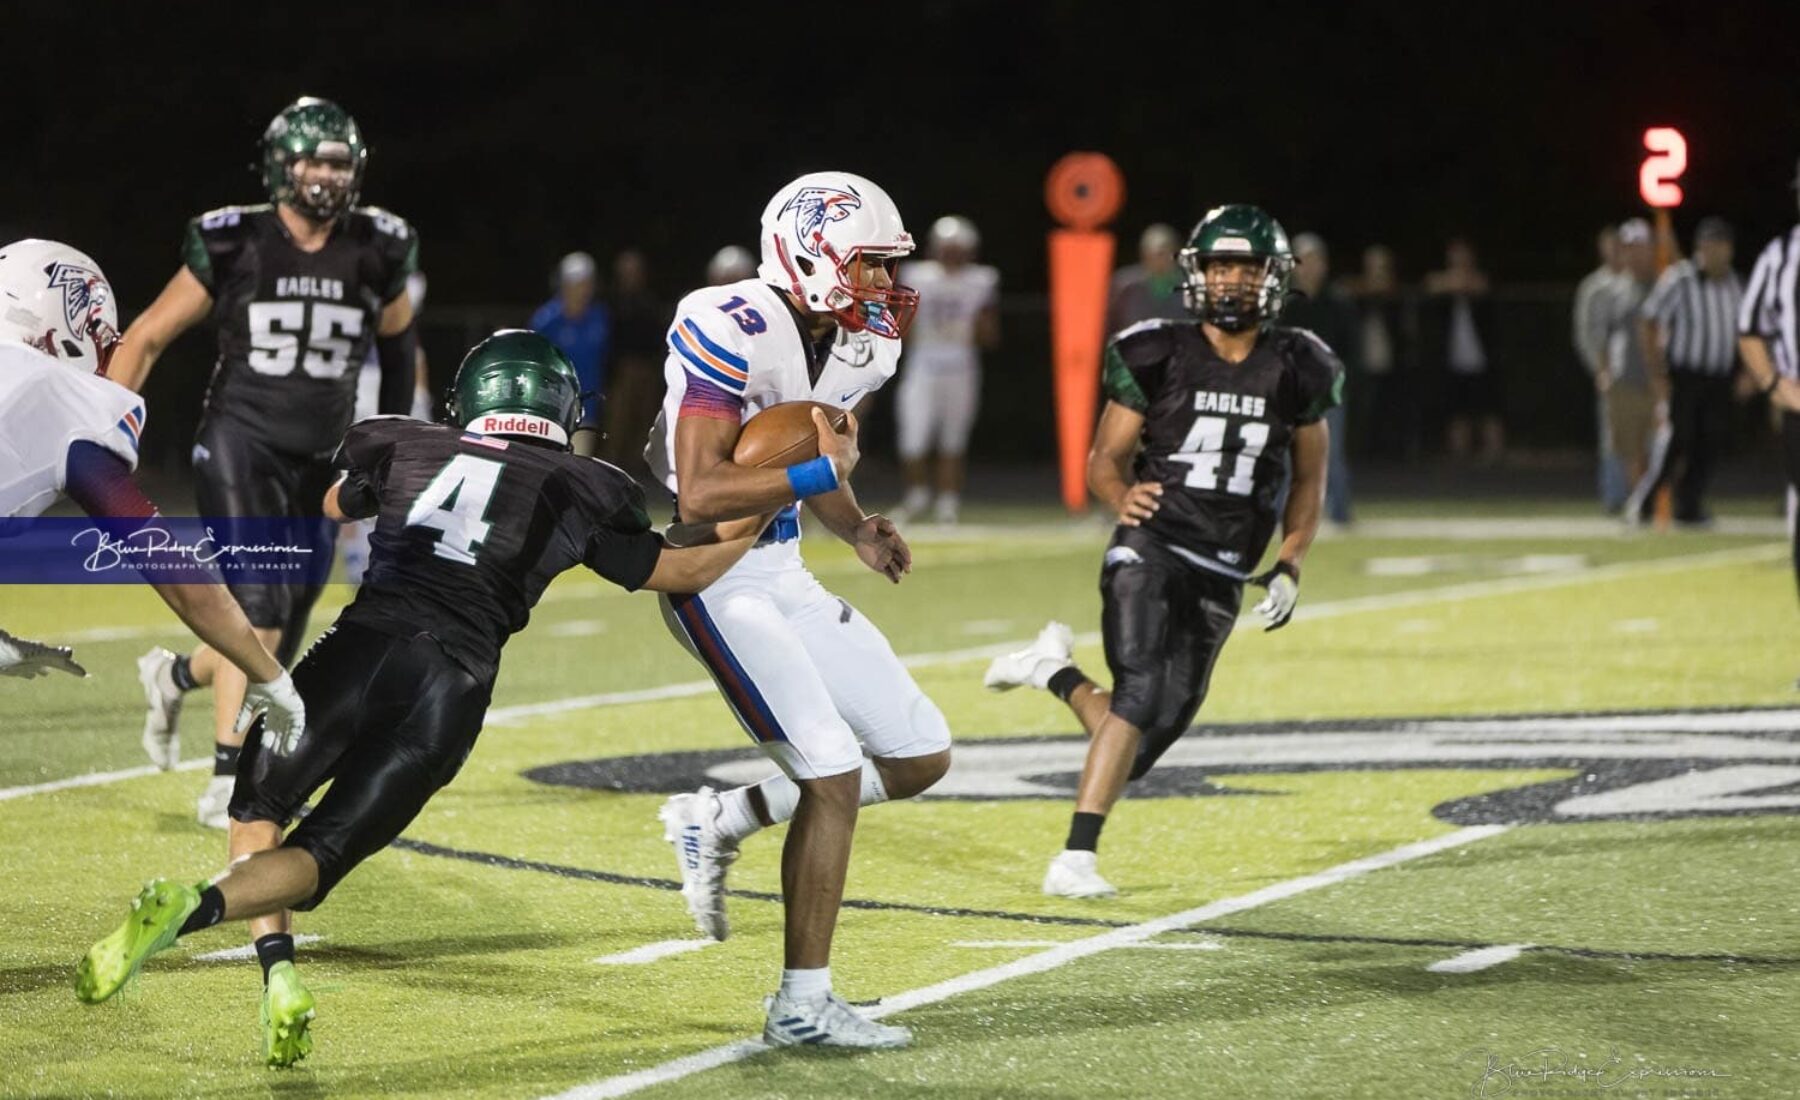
(1237, 232)
(319, 129)
(516, 383)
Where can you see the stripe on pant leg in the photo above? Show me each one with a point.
(740, 690)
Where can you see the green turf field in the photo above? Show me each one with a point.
(1609, 903)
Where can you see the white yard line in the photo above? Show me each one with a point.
(651, 952)
(248, 951)
(98, 779)
(512, 715)
(1479, 959)
(1060, 955)
(1197, 945)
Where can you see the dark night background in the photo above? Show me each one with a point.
(509, 134)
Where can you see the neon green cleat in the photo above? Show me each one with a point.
(156, 918)
(287, 1008)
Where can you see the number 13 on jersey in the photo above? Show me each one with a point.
(1204, 448)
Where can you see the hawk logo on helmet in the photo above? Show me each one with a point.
(816, 207)
(77, 285)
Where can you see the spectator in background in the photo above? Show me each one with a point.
(1327, 312)
(1383, 417)
(1623, 377)
(731, 264)
(1152, 286)
(1689, 333)
(1590, 337)
(581, 327)
(640, 323)
(1459, 335)
(940, 375)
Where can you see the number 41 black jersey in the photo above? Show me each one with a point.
(472, 528)
(295, 327)
(1216, 434)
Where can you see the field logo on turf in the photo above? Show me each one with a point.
(1634, 766)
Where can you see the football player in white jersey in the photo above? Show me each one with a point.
(940, 379)
(812, 681)
(68, 430)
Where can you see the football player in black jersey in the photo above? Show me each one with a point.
(1206, 421)
(299, 289)
(475, 518)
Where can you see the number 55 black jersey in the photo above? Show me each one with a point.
(1216, 434)
(294, 327)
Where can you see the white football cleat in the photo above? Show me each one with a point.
(1049, 654)
(691, 825)
(827, 1022)
(1074, 874)
(214, 810)
(162, 740)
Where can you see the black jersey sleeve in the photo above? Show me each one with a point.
(1135, 361)
(211, 244)
(1317, 375)
(617, 543)
(394, 249)
(363, 457)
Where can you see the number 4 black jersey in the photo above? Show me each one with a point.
(295, 327)
(1216, 434)
(472, 529)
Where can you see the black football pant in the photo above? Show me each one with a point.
(389, 720)
(237, 475)
(1699, 419)
(1164, 622)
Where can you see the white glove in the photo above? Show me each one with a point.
(1283, 583)
(28, 660)
(283, 711)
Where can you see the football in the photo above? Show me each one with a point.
(784, 434)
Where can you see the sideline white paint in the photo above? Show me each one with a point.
(248, 951)
(1050, 959)
(1479, 959)
(651, 952)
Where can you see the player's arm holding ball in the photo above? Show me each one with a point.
(714, 487)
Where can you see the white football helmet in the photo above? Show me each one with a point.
(815, 228)
(54, 298)
(956, 232)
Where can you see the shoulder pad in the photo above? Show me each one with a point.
(1147, 341)
(713, 342)
(1303, 344)
(384, 221)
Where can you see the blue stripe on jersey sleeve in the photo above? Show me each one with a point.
(699, 366)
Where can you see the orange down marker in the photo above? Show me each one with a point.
(1083, 191)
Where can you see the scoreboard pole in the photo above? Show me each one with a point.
(1657, 186)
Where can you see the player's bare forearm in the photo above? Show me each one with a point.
(1761, 368)
(183, 303)
(713, 488)
(838, 511)
(709, 534)
(211, 613)
(693, 568)
(1306, 497)
(1115, 445)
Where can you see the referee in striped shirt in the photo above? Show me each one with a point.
(1769, 340)
(1690, 342)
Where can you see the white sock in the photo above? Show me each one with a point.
(948, 504)
(738, 820)
(916, 499)
(806, 985)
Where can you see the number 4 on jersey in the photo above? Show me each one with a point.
(1204, 447)
(455, 504)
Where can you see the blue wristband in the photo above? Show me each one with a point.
(809, 479)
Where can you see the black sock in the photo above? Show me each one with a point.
(225, 758)
(1064, 681)
(182, 673)
(273, 948)
(1084, 832)
(211, 911)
